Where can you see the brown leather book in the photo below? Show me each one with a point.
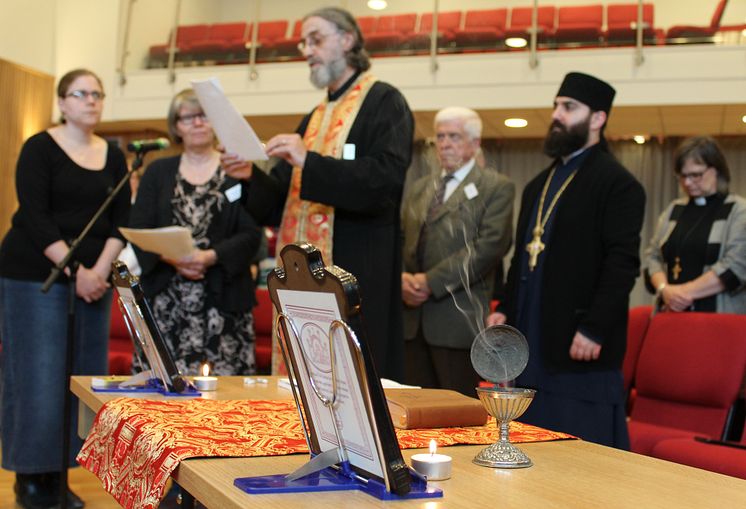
(433, 408)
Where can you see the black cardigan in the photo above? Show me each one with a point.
(591, 261)
(233, 235)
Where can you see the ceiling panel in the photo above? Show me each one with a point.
(625, 121)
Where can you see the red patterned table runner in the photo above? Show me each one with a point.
(135, 444)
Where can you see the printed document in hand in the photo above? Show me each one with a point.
(233, 131)
(173, 242)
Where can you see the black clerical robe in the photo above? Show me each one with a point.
(581, 283)
(366, 194)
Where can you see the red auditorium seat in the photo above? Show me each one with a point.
(270, 34)
(482, 29)
(448, 23)
(693, 34)
(222, 41)
(688, 377)
(727, 458)
(579, 25)
(391, 31)
(120, 343)
(621, 23)
(262, 313)
(286, 48)
(637, 326)
(520, 22)
(185, 36)
(367, 24)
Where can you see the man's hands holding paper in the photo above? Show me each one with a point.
(234, 166)
(195, 265)
(289, 147)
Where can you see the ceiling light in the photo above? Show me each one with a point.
(516, 122)
(377, 5)
(639, 139)
(516, 42)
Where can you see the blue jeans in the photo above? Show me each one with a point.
(33, 329)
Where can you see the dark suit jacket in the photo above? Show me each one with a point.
(465, 241)
(591, 261)
(233, 235)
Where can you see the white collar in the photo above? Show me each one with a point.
(460, 174)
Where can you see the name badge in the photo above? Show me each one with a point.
(233, 193)
(471, 191)
(348, 151)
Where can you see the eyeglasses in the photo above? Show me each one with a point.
(694, 176)
(82, 95)
(313, 40)
(191, 117)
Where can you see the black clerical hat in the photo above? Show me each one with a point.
(591, 91)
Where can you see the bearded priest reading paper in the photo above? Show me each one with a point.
(575, 262)
(340, 180)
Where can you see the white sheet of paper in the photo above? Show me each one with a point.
(171, 241)
(233, 131)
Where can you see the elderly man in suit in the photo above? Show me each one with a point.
(457, 226)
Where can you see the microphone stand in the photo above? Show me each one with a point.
(70, 341)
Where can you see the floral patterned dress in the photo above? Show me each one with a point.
(195, 330)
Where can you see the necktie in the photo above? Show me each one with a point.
(432, 210)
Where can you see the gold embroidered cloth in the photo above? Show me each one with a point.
(312, 222)
(135, 444)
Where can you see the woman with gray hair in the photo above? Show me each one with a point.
(696, 260)
(202, 302)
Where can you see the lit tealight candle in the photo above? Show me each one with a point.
(205, 382)
(435, 467)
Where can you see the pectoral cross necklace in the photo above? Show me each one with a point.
(676, 269)
(536, 246)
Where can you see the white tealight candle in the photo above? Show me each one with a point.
(205, 382)
(435, 467)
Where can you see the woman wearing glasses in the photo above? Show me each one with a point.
(696, 260)
(202, 302)
(63, 175)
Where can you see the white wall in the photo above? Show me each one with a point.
(87, 36)
(27, 33)
(669, 76)
(57, 35)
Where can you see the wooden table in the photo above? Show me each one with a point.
(567, 474)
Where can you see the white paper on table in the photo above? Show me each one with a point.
(171, 241)
(233, 131)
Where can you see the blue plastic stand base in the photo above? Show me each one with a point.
(153, 385)
(331, 479)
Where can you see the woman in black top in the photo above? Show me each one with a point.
(202, 303)
(62, 177)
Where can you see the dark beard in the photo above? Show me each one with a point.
(565, 141)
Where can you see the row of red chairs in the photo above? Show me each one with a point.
(686, 372)
(567, 26)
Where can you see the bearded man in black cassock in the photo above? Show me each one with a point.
(575, 263)
(339, 183)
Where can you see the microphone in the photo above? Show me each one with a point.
(142, 146)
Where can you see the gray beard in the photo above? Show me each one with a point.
(325, 75)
